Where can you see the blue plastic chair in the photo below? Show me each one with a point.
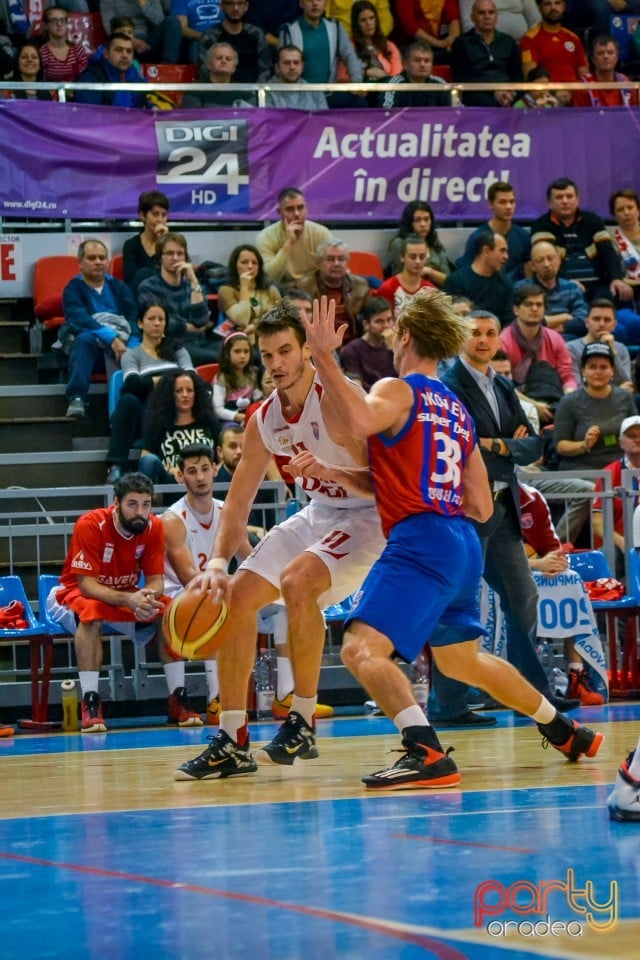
(115, 386)
(40, 650)
(592, 565)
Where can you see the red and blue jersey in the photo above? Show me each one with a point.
(420, 469)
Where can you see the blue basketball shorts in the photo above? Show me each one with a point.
(425, 587)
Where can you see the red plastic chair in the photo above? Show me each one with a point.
(50, 277)
(171, 73)
(208, 371)
(365, 264)
(115, 267)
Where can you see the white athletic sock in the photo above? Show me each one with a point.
(174, 672)
(284, 677)
(545, 712)
(305, 706)
(634, 766)
(575, 666)
(412, 716)
(233, 722)
(89, 680)
(213, 685)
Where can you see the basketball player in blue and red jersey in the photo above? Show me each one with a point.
(429, 480)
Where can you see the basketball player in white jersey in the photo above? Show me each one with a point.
(189, 527)
(317, 557)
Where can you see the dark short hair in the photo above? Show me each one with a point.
(284, 316)
(603, 40)
(561, 183)
(520, 294)
(501, 355)
(500, 186)
(486, 238)
(132, 483)
(152, 198)
(111, 39)
(195, 451)
(603, 303)
(421, 45)
(289, 192)
(291, 47)
(230, 428)
(373, 306)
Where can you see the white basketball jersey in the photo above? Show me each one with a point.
(200, 539)
(286, 438)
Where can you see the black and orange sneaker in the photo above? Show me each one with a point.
(578, 741)
(419, 767)
(580, 688)
(179, 711)
(92, 719)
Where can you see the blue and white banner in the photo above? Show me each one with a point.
(564, 611)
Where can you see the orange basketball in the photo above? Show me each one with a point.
(194, 625)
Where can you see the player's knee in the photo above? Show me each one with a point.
(299, 585)
(354, 651)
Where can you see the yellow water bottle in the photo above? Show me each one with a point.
(70, 722)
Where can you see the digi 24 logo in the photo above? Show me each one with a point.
(211, 152)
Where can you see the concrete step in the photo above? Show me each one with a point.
(49, 469)
(14, 336)
(36, 434)
(28, 401)
(18, 368)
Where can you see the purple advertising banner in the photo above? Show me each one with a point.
(79, 161)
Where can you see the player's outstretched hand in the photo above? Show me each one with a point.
(322, 335)
(216, 583)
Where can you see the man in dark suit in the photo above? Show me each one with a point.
(506, 438)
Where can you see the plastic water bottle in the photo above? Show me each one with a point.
(545, 656)
(35, 337)
(263, 682)
(70, 721)
(420, 675)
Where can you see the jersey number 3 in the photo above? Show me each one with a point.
(448, 462)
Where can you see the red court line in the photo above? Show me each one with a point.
(439, 949)
(461, 843)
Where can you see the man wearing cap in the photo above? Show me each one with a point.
(629, 441)
(587, 421)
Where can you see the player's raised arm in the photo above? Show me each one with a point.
(384, 408)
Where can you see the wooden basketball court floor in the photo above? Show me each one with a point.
(103, 855)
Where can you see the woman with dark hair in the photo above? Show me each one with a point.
(178, 413)
(418, 220)
(141, 368)
(248, 295)
(380, 57)
(27, 68)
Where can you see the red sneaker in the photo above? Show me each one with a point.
(92, 719)
(179, 711)
(580, 689)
